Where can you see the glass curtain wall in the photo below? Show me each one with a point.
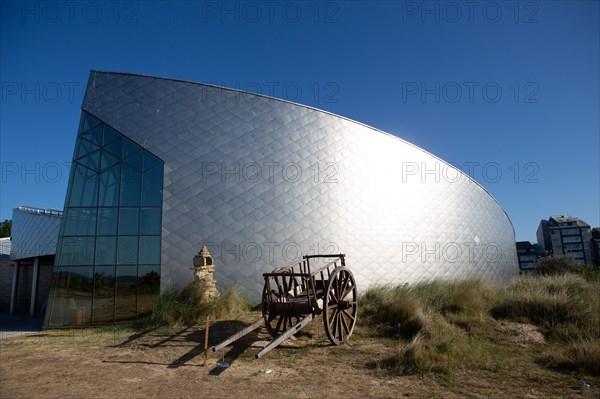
(107, 267)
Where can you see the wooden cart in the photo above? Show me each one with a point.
(295, 294)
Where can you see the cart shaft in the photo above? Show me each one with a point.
(293, 330)
(257, 324)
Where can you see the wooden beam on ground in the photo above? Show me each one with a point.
(285, 335)
(257, 324)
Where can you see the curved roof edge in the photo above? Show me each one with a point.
(313, 109)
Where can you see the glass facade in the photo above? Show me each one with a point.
(107, 266)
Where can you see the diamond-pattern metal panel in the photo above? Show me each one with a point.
(33, 234)
(5, 245)
(262, 181)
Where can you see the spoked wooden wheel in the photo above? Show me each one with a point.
(340, 305)
(276, 324)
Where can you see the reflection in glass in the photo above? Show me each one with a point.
(90, 122)
(71, 300)
(130, 148)
(130, 187)
(106, 250)
(135, 161)
(150, 161)
(110, 135)
(127, 249)
(152, 184)
(109, 245)
(150, 250)
(85, 187)
(150, 221)
(148, 288)
(104, 294)
(129, 221)
(126, 296)
(107, 160)
(114, 147)
(76, 251)
(94, 135)
(85, 148)
(91, 161)
(109, 186)
(80, 222)
(107, 221)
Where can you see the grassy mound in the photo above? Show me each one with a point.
(445, 325)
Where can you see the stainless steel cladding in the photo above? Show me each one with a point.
(34, 232)
(262, 181)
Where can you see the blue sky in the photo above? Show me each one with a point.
(508, 91)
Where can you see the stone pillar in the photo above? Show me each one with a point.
(204, 267)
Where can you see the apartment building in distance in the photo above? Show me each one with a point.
(566, 235)
(528, 254)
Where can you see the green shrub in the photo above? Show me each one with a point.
(556, 265)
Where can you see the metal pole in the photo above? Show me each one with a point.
(15, 286)
(34, 286)
(206, 340)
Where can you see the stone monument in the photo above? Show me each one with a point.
(204, 267)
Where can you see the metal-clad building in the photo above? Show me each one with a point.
(163, 166)
(34, 232)
(25, 281)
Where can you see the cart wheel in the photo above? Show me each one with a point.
(341, 305)
(276, 324)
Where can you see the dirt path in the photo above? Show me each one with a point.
(169, 364)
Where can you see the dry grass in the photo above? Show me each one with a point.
(448, 344)
(447, 326)
(188, 306)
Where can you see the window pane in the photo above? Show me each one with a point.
(109, 186)
(150, 221)
(71, 301)
(91, 161)
(107, 221)
(127, 250)
(84, 191)
(126, 297)
(85, 148)
(90, 122)
(106, 250)
(108, 160)
(128, 221)
(115, 148)
(130, 187)
(129, 148)
(148, 288)
(94, 135)
(110, 135)
(150, 250)
(104, 294)
(76, 251)
(150, 161)
(152, 185)
(135, 161)
(80, 222)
